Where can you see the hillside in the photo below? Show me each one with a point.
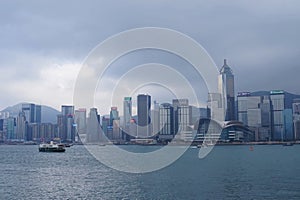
(48, 114)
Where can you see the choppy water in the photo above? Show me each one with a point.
(228, 172)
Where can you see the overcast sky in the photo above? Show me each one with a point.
(43, 43)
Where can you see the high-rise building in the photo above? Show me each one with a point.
(68, 129)
(288, 125)
(182, 119)
(278, 102)
(155, 118)
(46, 131)
(269, 115)
(215, 107)
(67, 110)
(80, 120)
(198, 113)
(33, 115)
(29, 111)
(2, 132)
(10, 125)
(38, 114)
(114, 121)
(296, 118)
(114, 115)
(4, 115)
(132, 130)
(144, 118)
(106, 127)
(21, 127)
(32, 112)
(60, 126)
(117, 134)
(1, 124)
(226, 89)
(34, 132)
(265, 107)
(93, 126)
(254, 111)
(127, 111)
(246, 104)
(166, 122)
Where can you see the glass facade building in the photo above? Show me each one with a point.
(127, 111)
(269, 116)
(33, 113)
(277, 100)
(93, 126)
(296, 118)
(80, 120)
(182, 119)
(246, 106)
(166, 119)
(10, 128)
(226, 89)
(255, 112)
(113, 115)
(215, 107)
(143, 112)
(68, 128)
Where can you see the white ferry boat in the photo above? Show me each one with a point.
(51, 147)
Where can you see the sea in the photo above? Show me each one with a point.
(228, 172)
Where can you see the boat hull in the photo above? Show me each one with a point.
(41, 149)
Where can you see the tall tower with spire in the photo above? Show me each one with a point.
(226, 89)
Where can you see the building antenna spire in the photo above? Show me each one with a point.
(225, 61)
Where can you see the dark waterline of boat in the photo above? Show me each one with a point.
(228, 172)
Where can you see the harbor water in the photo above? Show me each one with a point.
(228, 172)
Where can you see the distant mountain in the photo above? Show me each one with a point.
(260, 93)
(48, 114)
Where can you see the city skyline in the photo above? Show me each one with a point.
(160, 99)
(267, 116)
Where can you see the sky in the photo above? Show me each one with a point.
(43, 44)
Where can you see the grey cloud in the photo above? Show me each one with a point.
(260, 40)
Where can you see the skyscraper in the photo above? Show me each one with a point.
(270, 114)
(247, 104)
(10, 128)
(68, 129)
(21, 127)
(226, 89)
(38, 114)
(255, 112)
(67, 110)
(127, 111)
(93, 126)
(296, 118)
(114, 121)
(80, 120)
(282, 116)
(32, 112)
(60, 126)
(144, 119)
(215, 106)
(277, 99)
(106, 127)
(155, 118)
(166, 122)
(182, 119)
(114, 115)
